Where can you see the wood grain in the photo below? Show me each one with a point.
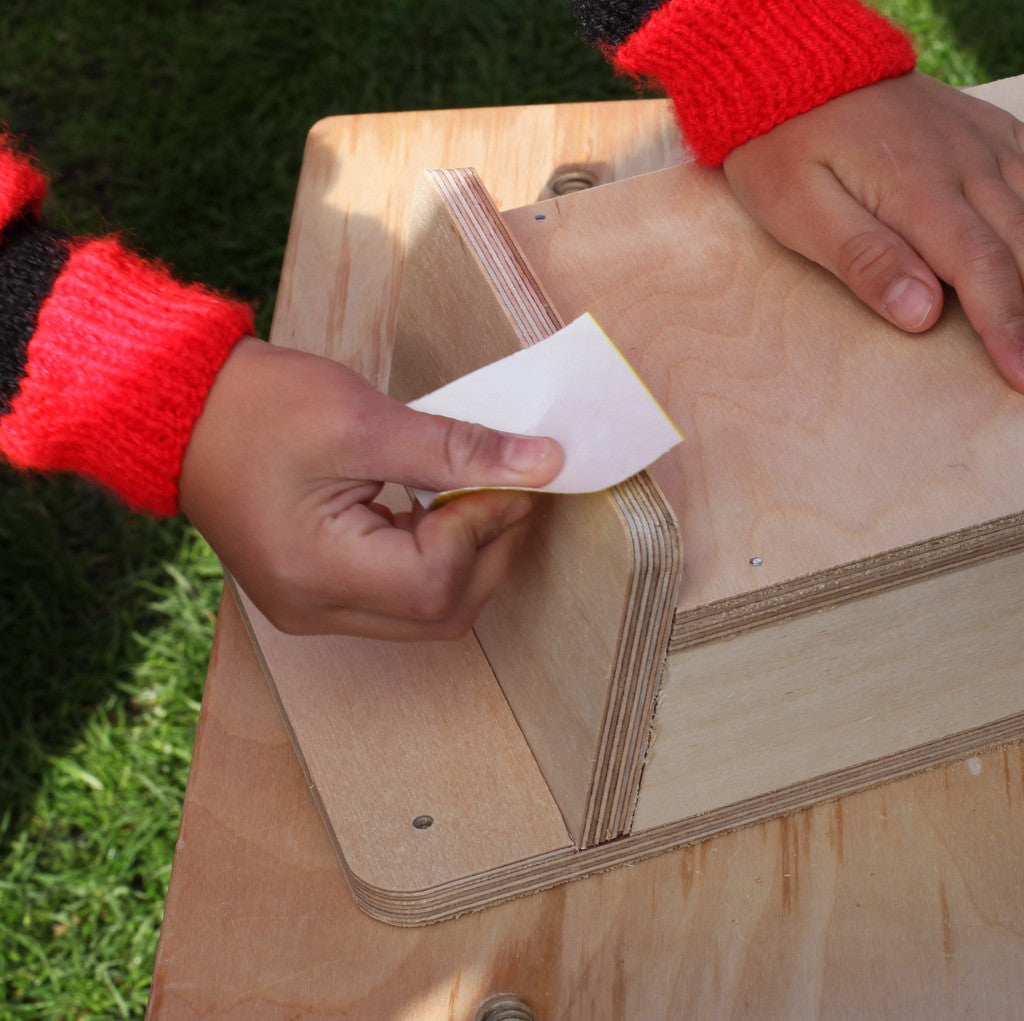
(845, 495)
(343, 263)
(903, 901)
(818, 436)
(392, 732)
(864, 690)
(340, 282)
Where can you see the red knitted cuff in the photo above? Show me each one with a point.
(736, 69)
(118, 370)
(22, 186)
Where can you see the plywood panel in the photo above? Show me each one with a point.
(390, 733)
(341, 281)
(343, 264)
(903, 901)
(801, 426)
(850, 689)
(818, 436)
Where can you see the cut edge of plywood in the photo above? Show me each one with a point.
(475, 893)
(456, 220)
(859, 579)
(454, 755)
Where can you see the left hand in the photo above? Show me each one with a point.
(895, 187)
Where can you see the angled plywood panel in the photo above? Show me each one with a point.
(577, 635)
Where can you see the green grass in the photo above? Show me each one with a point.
(107, 621)
(181, 123)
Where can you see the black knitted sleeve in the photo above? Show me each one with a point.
(611, 22)
(31, 259)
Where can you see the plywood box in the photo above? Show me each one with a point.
(816, 592)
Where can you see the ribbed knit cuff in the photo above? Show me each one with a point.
(118, 369)
(22, 186)
(735, 68)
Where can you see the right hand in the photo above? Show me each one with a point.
(281, 475)
(895, 187)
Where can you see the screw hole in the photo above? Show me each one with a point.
(504, 1007)
(423, 822)
(568, 181)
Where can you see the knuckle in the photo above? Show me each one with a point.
(436, 599)
(867, 255)
(982, 249)
(464, 444)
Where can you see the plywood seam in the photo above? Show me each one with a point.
(474, 893)
(641, 656)
(855, 580)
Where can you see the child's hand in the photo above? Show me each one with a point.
(893, 186)
(280, 476)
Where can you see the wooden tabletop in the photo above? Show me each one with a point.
(903, 901)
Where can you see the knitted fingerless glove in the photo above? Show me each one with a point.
(105, 359)
(737, 68)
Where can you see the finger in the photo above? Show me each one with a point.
(982, 257)
(423, 574)
(835, 230)
(490, 569)
(438, 453)
(1003, 208)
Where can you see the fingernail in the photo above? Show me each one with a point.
(909, 302)
(523, 453)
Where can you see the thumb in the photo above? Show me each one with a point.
(434, 452)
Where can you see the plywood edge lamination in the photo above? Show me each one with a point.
(577, 637)
(856, 580)
(478, 893)
(639, 669)
(521, 874)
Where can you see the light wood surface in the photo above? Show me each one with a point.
(850, 512)
(817, 435)
(901, 901)
(840, 699)
(888, 572)
(381, 751)
(339, 295)
(342, 269)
